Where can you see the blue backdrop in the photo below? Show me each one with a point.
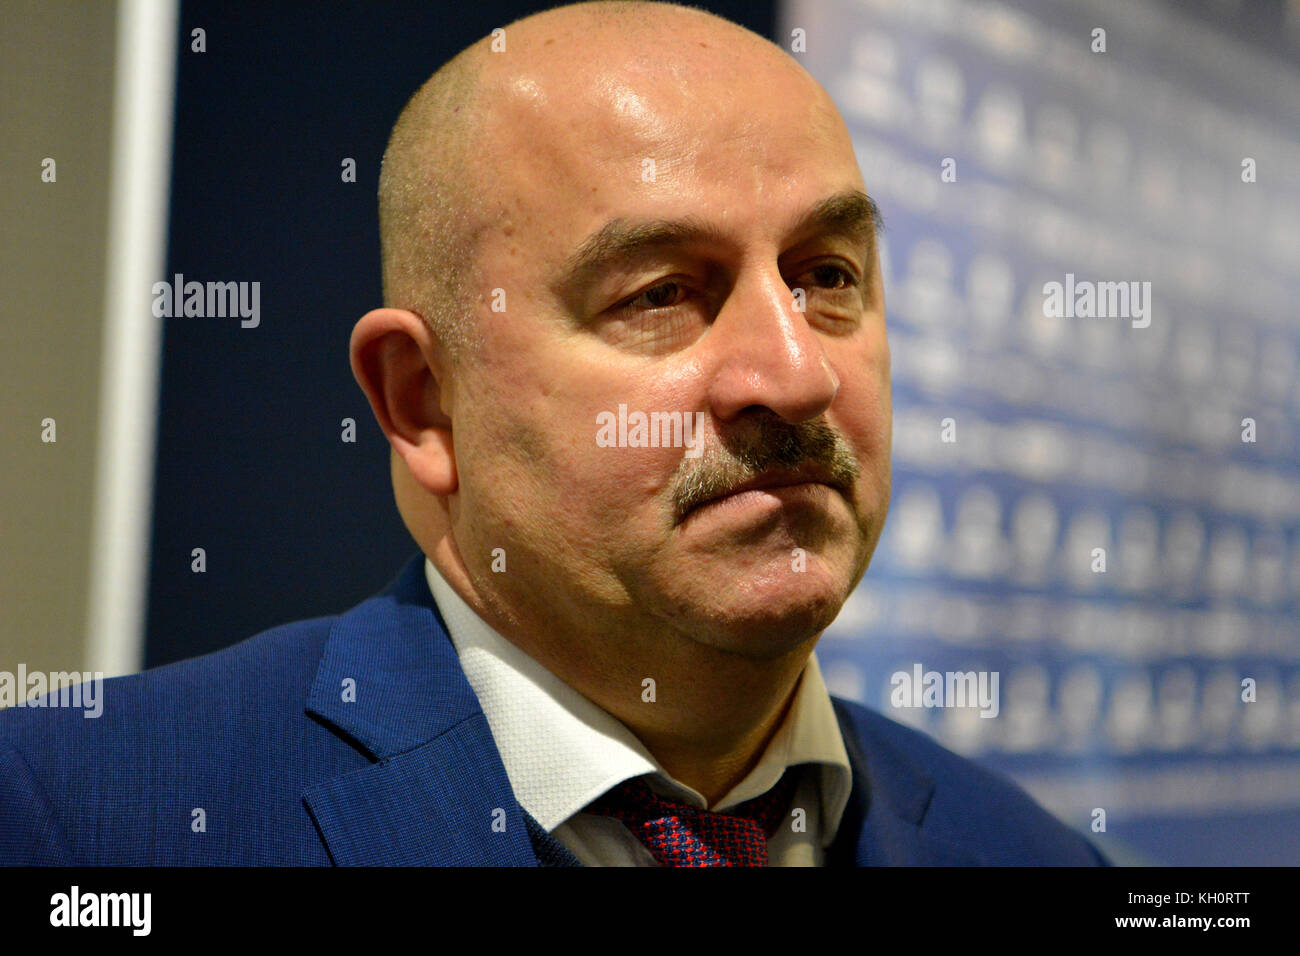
(1121, 690)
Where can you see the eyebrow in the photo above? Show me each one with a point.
(851, 213)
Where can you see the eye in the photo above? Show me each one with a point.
(662, 296)
(833, 277)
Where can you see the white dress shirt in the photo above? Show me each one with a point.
(561, 751)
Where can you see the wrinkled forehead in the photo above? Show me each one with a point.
(562, 150)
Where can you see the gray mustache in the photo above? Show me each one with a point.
(770, 442)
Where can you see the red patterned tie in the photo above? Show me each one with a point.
(680, 835)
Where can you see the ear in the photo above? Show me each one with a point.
(400, 366)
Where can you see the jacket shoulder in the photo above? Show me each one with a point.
(971, 805)
(262, 673)
(225, 733)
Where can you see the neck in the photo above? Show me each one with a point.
(701, 753)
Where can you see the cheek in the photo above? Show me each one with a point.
(864, 405)
(533, 466)
(505, 459)
(863, 414)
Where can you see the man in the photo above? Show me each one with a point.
(635, 378)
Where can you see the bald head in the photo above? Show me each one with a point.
(427, 199)
(433, 199)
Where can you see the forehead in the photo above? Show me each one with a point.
(565, 153)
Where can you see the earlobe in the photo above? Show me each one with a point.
(433, 462)
(390, 353)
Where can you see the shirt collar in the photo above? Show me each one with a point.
(561, 751)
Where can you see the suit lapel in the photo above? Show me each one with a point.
(437, 794)
(881, 825)
(550, 851)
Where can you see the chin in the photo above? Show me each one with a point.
(768, 617)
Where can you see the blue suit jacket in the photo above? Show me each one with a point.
(285, 771)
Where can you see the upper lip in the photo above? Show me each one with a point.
(781, 478)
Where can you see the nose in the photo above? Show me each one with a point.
(763, 352)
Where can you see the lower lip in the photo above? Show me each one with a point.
(765, 499)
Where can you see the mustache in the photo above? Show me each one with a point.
(768, 443)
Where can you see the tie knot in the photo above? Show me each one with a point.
(677, 834)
